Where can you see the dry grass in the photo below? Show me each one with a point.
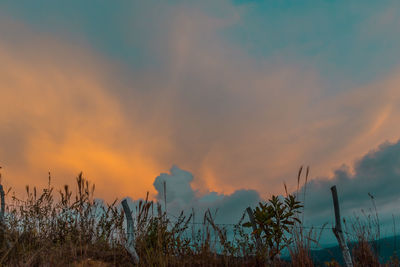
(63, 228)
(39, 231)
(363, 255)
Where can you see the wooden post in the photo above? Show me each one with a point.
(193, 227)
(130, 246)
(2, 213)
(337, 230)
(3, 203)
(253, 223)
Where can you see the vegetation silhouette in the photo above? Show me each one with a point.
(51, 227)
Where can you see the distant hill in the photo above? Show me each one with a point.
(385, 248)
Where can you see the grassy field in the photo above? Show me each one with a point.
(52, 227)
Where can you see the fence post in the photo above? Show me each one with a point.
(2, 212)
(3, 203)
(337, 230)
(253, 223)
(130, 246)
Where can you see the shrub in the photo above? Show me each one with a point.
(274, 221)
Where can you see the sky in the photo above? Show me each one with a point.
(230, 96)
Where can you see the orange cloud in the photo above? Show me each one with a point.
(250, 123)
(59, 115)
(234, 121)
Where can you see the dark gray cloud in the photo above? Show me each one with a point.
(180, 196)
(377, 173)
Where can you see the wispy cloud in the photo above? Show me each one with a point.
(191, 98)
(57, 114)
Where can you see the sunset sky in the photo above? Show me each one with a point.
(237, 95)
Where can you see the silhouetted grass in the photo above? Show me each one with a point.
(65, 228)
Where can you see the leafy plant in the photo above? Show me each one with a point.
(274, 220)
